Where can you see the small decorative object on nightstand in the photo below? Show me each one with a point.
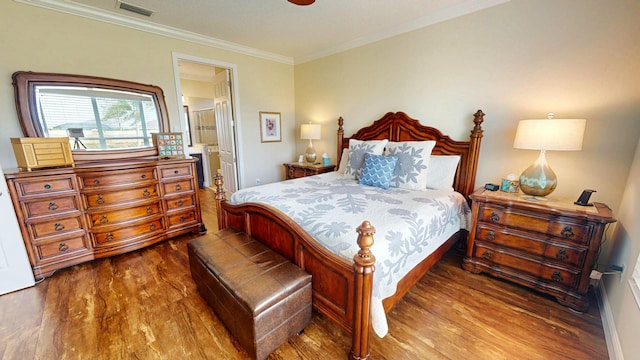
(297, 170)
(549, 246)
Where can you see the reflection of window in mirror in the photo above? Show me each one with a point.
(110, 119)
(187, 125)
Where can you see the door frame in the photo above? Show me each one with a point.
(235, 102)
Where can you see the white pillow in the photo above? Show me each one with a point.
(442, 172)
(413, 163)
(357, 149)
(344, 160)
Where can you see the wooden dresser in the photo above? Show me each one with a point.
(297, 170)
(98, 209)
(549, 244)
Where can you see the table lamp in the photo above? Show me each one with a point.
(310, 132)
(546, 134)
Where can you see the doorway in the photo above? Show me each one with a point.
(207, 94)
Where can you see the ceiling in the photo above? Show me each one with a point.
(275, 29)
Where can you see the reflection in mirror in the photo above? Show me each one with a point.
(104, 118)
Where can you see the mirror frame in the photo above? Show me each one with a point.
(25, 83)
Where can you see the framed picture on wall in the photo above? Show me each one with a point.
(270, 126)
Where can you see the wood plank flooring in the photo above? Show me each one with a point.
(144, 305)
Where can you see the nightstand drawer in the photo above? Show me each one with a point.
(549, 273)
(524, 241)
(553, 226)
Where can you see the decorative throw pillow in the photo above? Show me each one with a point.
(442, 171)
(413, 162)
(377, 170)
(357, 149)
(344, 160)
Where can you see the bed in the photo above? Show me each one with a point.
(343, 287)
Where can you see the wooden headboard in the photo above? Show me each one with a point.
(399, 126)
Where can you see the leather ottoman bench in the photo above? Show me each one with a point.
(261, 297)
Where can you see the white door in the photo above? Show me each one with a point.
(15, 270)
(226, 132)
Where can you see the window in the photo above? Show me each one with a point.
(108, 119)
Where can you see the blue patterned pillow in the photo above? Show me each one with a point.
(377, 170)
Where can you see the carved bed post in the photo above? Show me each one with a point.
(340, 137)
(219, 196)
(364, 267)
(474, 148)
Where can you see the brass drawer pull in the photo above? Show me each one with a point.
(104, 219)
(58, 227)
(53, 206)
(490, 236)
(180, 203)
(146, 193)
(182, 218)
(178, 187)
(567, 232)
(96, 181)
(108, 237)
(100, 200)
(144, 176)
(152, 226)
(487, 255)
(494, 217)
(562, 255)
(149, 210)
(557, 276)
(176, 172)
(63, 247)
(47, 186)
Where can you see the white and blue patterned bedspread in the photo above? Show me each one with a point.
(409, 224)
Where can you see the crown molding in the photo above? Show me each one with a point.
(144, 25)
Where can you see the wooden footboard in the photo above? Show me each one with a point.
(341, 289)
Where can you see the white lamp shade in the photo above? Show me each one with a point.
(550, 134)
(310, 131)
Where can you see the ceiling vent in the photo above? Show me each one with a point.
(135, 9)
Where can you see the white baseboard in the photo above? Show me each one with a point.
(608, 325)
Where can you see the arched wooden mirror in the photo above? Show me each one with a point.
(104, 118)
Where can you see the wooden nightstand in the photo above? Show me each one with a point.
(297, 170)
(550, 245)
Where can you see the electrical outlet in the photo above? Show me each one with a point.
(258, 181)
(595, 275)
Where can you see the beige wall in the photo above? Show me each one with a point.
(514, 61)
(625, 249)
(518, 60)
(36, 39)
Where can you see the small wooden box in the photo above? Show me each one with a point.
(33, 153)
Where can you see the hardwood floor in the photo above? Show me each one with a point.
(144, 305)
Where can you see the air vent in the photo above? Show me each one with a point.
(135, 9)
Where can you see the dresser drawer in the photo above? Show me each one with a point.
(182, 219)
(169, 172)
(532, 243)
(55, 227)
(115, 216)
(178, 186)
(44, 186)
(128, 233)
(549, 273)
(558, 227)
(61, 248)
(50, 206)
(122, 196)
(180, 202)
(88, 181)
